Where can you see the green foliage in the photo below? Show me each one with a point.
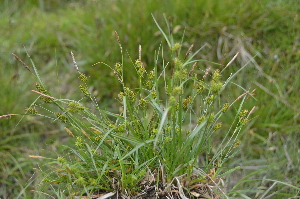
(50, 30)
(157, 129)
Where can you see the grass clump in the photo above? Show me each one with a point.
(151, 147)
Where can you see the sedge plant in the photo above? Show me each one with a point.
(151, 147)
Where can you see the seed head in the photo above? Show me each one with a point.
(46, 99)
(98, 138)
(149, 84)
(168, 139)
(177, 90)
(187, 102)
(151, 75)
(62, 118)
(200, 88)
(211, 118)
(243, 121)
(176, 47)
(218, 126)
(84, 90)
(236, 144)
(130, 94)
(181, 74)
(201, 119)
(143, 103)
(120, 96)
(178, 64)
(118, 67)
(216, 75)
(31, 110)
(209, 99)
(216, 86)
(41, 89)
(225, 107)
(79, 142)
(140, 68)
(75, 107)
(82, 77)
(154, 94)
(243, 113)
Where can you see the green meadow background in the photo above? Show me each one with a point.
(266, 33)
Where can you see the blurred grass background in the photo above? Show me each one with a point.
(50, 30)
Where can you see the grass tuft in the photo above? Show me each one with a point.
(152, 146)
